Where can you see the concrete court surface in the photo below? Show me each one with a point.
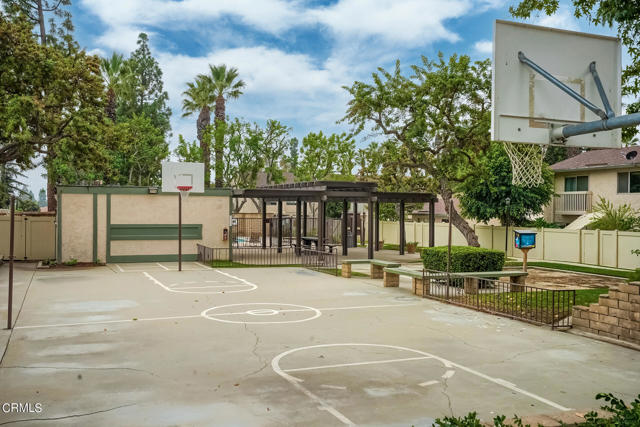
(143, 344)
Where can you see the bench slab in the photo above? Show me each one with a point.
(482, 274)
(405, 272)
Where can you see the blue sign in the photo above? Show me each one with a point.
(525, 239)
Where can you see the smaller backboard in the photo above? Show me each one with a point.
(526, 106)
(178, 175)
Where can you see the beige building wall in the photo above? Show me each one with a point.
(133, 205)
(77, 220)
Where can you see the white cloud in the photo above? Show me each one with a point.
(562, 19)
(484, 47)
(121, 38)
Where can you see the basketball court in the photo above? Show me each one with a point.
(144, 344)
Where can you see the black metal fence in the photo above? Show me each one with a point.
(320, 261)
(514, 300)
(252, 256)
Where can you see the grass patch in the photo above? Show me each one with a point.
(574, 268)
(358, 274)
(589, 296)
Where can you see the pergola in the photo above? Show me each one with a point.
(321, 192)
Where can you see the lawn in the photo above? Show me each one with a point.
(574, 268)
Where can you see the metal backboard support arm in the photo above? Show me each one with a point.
(603, 95)
(619, 122)
(572, 93)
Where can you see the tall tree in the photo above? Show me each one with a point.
(37, 12)
(113, 72)
(198, 98)
(10, 183)
(49, 96)
(42, 198)
(324, 157)
(439, 118)
(142, 90)
(483, 197)
(273, 144)
(621, 15)
(226, 85)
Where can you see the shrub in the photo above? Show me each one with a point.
(463, 258)
(71, 262)
(609, 217)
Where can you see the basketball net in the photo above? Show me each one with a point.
(184, 191)
(526, 163)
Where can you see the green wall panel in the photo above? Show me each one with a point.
(154, 231)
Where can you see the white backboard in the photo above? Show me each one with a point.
(526, 105)
(182, 173)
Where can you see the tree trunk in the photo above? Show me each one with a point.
(204, 119)
(43, 34)
(459, 222)
(218, 145)
(110, 108)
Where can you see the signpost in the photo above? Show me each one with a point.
(11, 240)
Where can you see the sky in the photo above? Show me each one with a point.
(294, 56)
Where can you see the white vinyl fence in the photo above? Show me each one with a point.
(596, 247)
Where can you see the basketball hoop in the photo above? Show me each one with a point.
(526, 163)
(184, 191)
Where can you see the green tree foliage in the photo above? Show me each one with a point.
(609, 217)
(438, 118)
(188, 151)
(198, 98)
(225, 85)
(326, 157)
(114, 71)
(38, 12)
(483, 196)
(49, 97)
(142, 90)
(623, 16)
(272, 150)
(10, 183)
(26, 202)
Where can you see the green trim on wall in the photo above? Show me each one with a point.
(95, 228)
(108, 253)
(155, 231)
(59, 221)
(230, 229)
(152, 258)
(86, 189)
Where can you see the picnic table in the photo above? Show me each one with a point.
(308, 240)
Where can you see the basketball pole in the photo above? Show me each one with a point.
(11, 241)
(179, 232)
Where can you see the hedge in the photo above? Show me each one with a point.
(463, 258)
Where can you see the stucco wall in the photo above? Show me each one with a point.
(77, 227)
(211, 211)
(602, 183)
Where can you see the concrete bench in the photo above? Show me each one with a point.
(517, 279)
(377, 266)
(392, 279)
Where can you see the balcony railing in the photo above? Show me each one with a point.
(573, 202)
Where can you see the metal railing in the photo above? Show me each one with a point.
(514, 300)
(320, 261)
(254, 256)
(573, 202)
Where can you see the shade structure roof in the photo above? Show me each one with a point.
(360, 191)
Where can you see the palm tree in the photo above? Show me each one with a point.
(225, 85)
(113, 71)
(199, 97)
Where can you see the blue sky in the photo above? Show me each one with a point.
(295, 56)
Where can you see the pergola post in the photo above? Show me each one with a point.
(345, 218)
(304, 218)
(432, 223)
(354, 228)
(402, 243)
(298, 228)
(377, 241)
(279, 225)
(370, 235)
(264, 224)
(321, 209)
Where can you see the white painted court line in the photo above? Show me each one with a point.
(203, 266)
(428, 383)
(291, 310)
(340, 365)
(324, 405)
(120, 268)
(333, 387)
(104, 322)
(162, 266)
(179, 290)
(448, 374)
(208, 287)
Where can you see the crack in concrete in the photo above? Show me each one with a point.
(63, 368)
(255, 353)
(446, 394)
(85, 414)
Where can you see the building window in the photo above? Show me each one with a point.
(629, 182)
(576, 183)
